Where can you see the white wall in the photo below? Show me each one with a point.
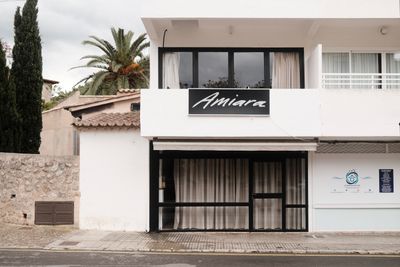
(360, 113)
(293, 113)
(114, 180)
(330, 113)
(314, 68)
(271, 9)
(361, 208)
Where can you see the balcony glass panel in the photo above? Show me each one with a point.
(335, 63)
(393, 68)
(365, 63)
(249, 70)
(213, 70)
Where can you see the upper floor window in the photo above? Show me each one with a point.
(360, 70)
(231, 68)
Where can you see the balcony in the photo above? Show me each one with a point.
(361, 80)
(359, 114)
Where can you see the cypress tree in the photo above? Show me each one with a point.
(27, 76)
(9, 118)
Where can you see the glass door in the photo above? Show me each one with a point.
(267, 196)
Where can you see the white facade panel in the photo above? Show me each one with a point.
(354, 220)
(339, 206)
(271, 9)
(293, 113)
(114, 180)
(324, 113)
(360, 113)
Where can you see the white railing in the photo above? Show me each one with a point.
(361, 80)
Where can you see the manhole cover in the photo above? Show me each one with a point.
(69, 243)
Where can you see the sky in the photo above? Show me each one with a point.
(65, 24)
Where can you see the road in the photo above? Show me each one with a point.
(67, 258)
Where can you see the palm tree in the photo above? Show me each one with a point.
(121, 66)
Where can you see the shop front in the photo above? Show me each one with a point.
(229, 191)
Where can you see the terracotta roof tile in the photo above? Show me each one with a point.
(128, 119)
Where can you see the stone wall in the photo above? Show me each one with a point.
(26, 178)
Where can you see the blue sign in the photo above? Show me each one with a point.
(386, 183)
(352, 177)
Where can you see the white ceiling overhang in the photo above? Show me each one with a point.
(235, 146)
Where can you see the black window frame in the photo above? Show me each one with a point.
(231, 50)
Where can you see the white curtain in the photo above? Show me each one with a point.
(335, 63)
(365, 63)
(285, 70)
(268, 179)
(393, 66)
(170, 70)
(211, 180)
(295, 193)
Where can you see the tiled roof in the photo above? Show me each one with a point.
(128, 119)
(127, 91)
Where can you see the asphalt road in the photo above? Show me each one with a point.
(40, 257)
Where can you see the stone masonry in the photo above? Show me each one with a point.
(26, 178)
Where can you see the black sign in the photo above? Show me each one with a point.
(386, 181)
(229, 101)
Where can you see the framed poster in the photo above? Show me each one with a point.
(386, 183)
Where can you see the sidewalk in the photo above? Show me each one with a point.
(69, 238)
(23, 236)
(301, 243)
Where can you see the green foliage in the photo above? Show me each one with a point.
(58, 95)
(222, 82)
(122, 65)
(27, 76)
(9, 131)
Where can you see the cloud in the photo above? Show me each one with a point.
(65, 24)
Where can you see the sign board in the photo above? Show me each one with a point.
(229, 102)
(386, 183)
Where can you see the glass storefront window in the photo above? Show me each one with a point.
(196, 192)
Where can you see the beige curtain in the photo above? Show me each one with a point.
(170, 75)
(285, 70)
(295, 193)
(211, 180)
(268, 179)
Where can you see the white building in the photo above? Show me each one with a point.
(311, 144)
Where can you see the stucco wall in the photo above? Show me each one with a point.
(26, 178)
(58, 136)
(362, 207)
(164, 113)
(114, 180)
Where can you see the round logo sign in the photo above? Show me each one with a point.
(352, 177)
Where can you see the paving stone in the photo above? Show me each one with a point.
(17, 236)
(60, 238)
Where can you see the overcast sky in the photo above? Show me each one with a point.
(63, 27)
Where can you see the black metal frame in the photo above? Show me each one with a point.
(255, 156)
(195, 61)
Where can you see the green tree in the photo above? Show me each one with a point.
(58, 96)
(27, 76)
(122, 65)
(9, 140)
